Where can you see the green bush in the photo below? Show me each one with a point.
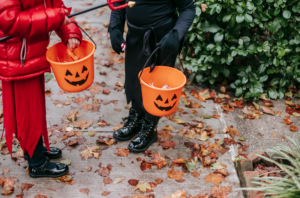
(255, 43)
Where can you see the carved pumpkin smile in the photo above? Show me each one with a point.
(76, 81)
(165, 108)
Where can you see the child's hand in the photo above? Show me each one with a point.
(73, 43)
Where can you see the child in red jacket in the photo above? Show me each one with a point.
(22, 67)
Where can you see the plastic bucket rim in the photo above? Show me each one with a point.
(160, 89)
(78, 61)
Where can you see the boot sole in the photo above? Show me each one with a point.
(142, 150)
(124, 139)
(38, 176)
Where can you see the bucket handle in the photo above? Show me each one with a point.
(158, 46)
(85, 33)
(148, 61)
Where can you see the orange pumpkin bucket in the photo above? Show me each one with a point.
(73, 76)
(159, 101)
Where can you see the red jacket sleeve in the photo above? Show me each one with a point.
(25, 24)
(65, 32)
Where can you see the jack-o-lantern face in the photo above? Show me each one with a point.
(166, 102)
(75, 81)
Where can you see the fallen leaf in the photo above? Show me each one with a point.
(267, 110)
(95, 89)
(214, 178)
(144, 165)
(133, 182)
(196, 174)
(232, 132)
(118, 180)
(66, 161)
(158, 160)
(203, 136)
(176, 175)
(40, 195)
(89, 168)
(168, 127)
(274, 135)
(142, 186)
(293, 128)
(85, 191)
(164, 134)
(26, 186)
(122, 152)
(107, 180)
(287, 121)
(216, 116)
(221, 192)
(166, 144)
(159, 180)
(105, 193)
(178, 194)
(92, 133)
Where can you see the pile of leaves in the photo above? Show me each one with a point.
(253, 44)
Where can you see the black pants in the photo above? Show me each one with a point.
(138, 106)
(38, 158)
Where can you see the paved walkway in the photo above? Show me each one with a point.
(112, 108)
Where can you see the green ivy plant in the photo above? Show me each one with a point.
(256, 42)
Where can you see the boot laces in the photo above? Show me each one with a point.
(146, 128)
(130, 120)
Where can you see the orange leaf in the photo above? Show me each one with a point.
(122, 152)
(287, 121)
(214, 178)
(195, 174)
(293, 128)
(158, 160)
(176, 175)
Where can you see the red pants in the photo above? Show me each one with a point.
(24, 112)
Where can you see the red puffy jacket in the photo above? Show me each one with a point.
(29, 23)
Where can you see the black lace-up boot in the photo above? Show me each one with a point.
(132, 126)
(145, 138)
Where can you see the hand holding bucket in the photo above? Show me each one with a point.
(156, 100)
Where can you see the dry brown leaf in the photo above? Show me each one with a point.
(158, 160)
(214, 178)
(176, 175)
(143, 186)
(195, 174)
(95, 89)
(274, 135)
(268, 110)
(159, 180)
(293, 128)
(177, 194)
(85, 191)
(122, 152)
(221, 192)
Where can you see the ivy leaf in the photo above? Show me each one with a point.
(226, 18)
(198, 11)
(213, 28)
(248, 18)
(239, 91)
(210, 47)
(257, 2)
(219, 37)
(240, 18)
(273, 93)
(286, 14)
(274, 82)
(250, 5)
(226, 72)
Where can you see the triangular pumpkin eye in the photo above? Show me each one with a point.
(159, 98)
(84, 69)
(174, 97)
(68, 73)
